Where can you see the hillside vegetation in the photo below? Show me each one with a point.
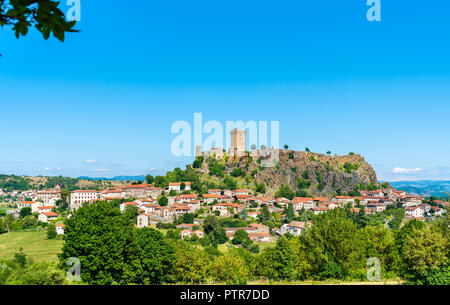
(12, 182)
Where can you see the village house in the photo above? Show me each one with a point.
(189, 233)
(274, 209)
(181, 209)
(217, 192)
(415, 212)
(45, 209)
(253, 214)
(185, 198)
(185, 226)
(225, 199)
(295, 228)
(123, 206)
(319, 210)
(49, 196)
(34, 205)
(177, 186)
(438, 211)
(327, 205)
(224, 208)
(414, 200)
(300, 203)
(426, 207)
(60, 229)
(210, 198)
(166, 213)
(241, 192)
(255, 231)
(194, 205)
(149, 200)
(77, 198)
(398, 195)
(376, 207)
(377, 193)
(344, 200)
(243, 198)
(149, 208)
(154, 192)
(142, 220)
(136, 190)
(48, 216)
(111, 194)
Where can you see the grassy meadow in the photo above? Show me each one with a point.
(34, 244)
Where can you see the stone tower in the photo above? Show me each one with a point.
(238, 141)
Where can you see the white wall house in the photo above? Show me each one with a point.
(77, 198)
(176, 186)
(142, 221)
(60, 229)
(46, 217)
(34, 205)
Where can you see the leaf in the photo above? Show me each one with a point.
(12, 13)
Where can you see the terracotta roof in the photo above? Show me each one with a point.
(50, 214)
(297, 224)
(178, 183)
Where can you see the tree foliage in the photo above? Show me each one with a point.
(44, 15)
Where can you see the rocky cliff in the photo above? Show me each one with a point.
(313, 173)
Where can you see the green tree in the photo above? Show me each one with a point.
(156, 255)
(332, 247)
(51, 231)
(187, 218)
(163, 201)
(303, 183)
(191, 264)
(104, 240)
(290, 213)
(230, 183)
(265, 214)
(150, 179)
(286, 146)
(285, 192)
(239, 237)
(210, 223)
(229, 268)
(279, 262)
(25, 212)
(261, 188)
(425, 251)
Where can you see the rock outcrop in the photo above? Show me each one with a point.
(318, 174)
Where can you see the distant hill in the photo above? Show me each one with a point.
(423, 188)
(116, 178)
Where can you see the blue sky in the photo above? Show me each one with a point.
(103, 102)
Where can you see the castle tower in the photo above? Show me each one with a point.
(238, 141)
(198, 151)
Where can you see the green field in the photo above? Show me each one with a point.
(34, 244)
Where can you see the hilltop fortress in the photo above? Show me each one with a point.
(238, 148)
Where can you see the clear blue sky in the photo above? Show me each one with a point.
(334, 81)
